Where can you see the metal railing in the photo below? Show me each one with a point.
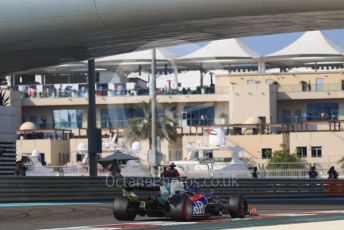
(290, 173)
(202, 170)
(72, 93)
(306, 87)
(77, 170)
(122, 123)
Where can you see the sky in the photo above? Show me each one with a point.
(268, 43)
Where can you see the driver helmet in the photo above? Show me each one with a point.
(172, 165)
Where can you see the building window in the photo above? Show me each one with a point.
(251, 82)
(63, 158)
(269, 81)
(117, 117)
(71, 118)
(43, 122)
(266, 153)
(33, 119)
(198, 115)
(286, 115)
(297, 115)
(322, 111)
(208, 155)
(316, 151)
(301, 152)
(78, 157)
(178, 155)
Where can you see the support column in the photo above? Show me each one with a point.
(13, 80)
(9, 81)
(91, 125)
(44, 79)
(153, 108)
(201, 75)
(175, 72)
(261, 66)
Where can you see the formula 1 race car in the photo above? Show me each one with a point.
(178, 202)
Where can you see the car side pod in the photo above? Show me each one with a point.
(238, 206)
(180, 208)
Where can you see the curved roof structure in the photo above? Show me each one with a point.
(27, 126)
(221, 49)
(310, 44)
(137, 56)
(132, 61)
(252, 120)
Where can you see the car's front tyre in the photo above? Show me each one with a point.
(238, 207)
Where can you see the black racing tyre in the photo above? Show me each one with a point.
(238, 207)
(123, 209)
(181, 209)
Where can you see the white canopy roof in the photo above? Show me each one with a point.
(137, 56)
(312, 43)
(221, 49)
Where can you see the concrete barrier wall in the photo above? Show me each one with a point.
(32, 189)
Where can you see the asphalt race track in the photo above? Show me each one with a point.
(99, 216)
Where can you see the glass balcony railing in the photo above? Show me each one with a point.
(305, 87)
(50, 92)
(310, 117)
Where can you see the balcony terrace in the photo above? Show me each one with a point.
(310, 91)
(103, 97)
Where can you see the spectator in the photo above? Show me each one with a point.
(328, 116)
(60, 171)
(115, 170)
(332, 173)
(202, 119)
(310, 116)
(55, 92)
(83, 92)
(60, 91)
(255, 173)
(322, 115)
(172, 171)
(305, 116)
(20, 169)
(312, 173)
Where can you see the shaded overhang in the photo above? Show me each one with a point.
(43, 33)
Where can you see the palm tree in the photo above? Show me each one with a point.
(282, 159)
(140, 127)
(4, 100)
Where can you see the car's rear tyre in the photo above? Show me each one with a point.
(181, 209)
(123, 209)
(238, 207)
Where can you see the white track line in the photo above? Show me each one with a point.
(328, 225)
